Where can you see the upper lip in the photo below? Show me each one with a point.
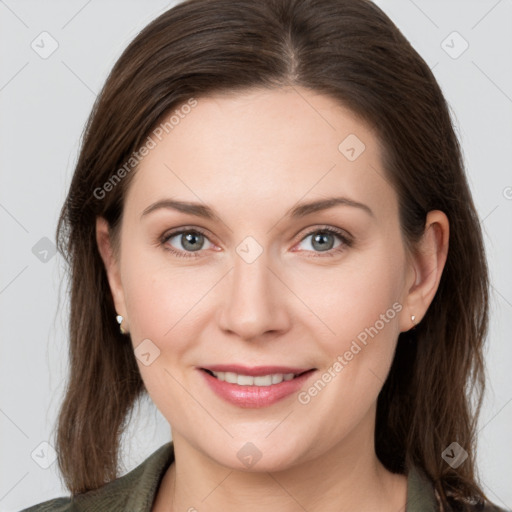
(255, 371)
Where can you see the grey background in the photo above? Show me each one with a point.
(44, 103)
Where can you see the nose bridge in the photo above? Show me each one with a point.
(253, 304)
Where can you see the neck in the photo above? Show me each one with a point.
(340, 480)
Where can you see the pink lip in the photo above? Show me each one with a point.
(255, 371)
(255, 396)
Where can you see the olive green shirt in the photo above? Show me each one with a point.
(136, 491)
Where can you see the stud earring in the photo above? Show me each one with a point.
(120, 319)
(412, 319)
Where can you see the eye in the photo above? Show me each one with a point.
(185, 243)
(323, 240)
(188, 242)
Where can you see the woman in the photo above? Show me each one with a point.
(270, 232)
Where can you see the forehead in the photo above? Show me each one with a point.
(262, 149)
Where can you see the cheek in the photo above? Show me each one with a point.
(161, 301)
(355, 298)
(360, 303)
(161, 304)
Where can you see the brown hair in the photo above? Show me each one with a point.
(348, 50)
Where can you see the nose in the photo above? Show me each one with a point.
(256, 299)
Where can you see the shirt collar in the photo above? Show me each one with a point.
(420, 492)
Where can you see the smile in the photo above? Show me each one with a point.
(255, 391)
(248, 380)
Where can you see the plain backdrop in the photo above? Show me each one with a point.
(45, 100)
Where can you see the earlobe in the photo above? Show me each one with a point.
(428, 264)
(110, 261)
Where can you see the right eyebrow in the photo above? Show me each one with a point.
(197, 209)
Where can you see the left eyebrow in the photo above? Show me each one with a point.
(304, 209)
(301, 210)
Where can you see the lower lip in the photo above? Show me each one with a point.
(255, 396)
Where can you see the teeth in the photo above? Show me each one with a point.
(247, 380)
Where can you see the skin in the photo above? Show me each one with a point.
(251, 157)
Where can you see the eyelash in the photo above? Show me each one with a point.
(346, 242)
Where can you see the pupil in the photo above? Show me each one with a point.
(190, 241)
(321, 239)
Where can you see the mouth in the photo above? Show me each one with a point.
(257, 376)
(255, 387)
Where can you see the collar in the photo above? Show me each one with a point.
(420, 492)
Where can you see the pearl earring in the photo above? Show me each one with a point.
(120, 319)
(412, 319)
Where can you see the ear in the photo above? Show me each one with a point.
(425, 269)
(111, 263)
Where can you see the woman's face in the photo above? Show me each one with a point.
(259, 281)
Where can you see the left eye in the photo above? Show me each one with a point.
(324, 240)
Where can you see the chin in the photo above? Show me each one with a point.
(255, 456)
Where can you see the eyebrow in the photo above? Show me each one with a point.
(301, 210)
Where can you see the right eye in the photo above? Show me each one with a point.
(185, 242)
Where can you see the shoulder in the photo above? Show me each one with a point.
(422, 497)
(134, 491)
(476, 507)
(55, 505)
